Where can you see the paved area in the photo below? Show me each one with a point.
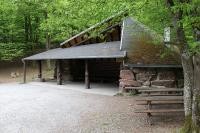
(96, 88)
(40, 108)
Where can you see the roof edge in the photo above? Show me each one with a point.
(153, 65)
(94, 26)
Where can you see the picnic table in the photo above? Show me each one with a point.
(165, 98)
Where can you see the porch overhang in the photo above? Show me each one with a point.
(91, 51)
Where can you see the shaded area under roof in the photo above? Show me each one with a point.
(91, 51)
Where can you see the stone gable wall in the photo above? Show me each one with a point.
(151, 77)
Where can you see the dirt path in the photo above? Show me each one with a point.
(28, 108)
(6, 71)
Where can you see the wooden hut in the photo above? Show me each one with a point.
(115, 50)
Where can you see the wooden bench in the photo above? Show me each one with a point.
(160, 102)
(150, 111)
(151, 88)
(160, 98)
(158, 110)
(160, 94)
(157, 91)
(160, 90)
(135, 88)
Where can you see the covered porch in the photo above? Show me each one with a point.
(87, 62)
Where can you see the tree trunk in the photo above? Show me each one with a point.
(37, 20)
(188, 82)
(26, 28)
(191, 67)
(196, 92)
(48, 42)
(30, 28)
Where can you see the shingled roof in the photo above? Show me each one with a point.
(100, 50)
(139, 42)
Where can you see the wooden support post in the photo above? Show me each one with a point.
(149, 114)
(87, 80)
(55, 71)
(149, 121)
(59, 72)
(24, 71)
(40, 70)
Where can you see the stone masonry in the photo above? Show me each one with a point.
(151, 77)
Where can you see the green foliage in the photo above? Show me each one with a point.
(132, 93)
(189, 126)
(60, 18)
(10, 51)
(157, 15)
(24, 21)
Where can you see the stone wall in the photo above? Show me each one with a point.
(66, 71)
(154, 77)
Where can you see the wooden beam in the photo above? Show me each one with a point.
(69, 44)
(59, 72)
(87, 80)
(119, 31)
(75, 40)
(40, 70)
(24, 71)
(83, 40)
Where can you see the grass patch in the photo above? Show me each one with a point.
(119, 94)
(189, 127)
(132, 93)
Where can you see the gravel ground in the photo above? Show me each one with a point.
(29, 108)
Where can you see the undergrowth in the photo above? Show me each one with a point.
(189, 126)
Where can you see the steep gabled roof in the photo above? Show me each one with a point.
(139, 42)
(85, 35)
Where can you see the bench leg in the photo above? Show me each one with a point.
(149, 114)
(148, 104)
(122, 89)
(149, 120)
